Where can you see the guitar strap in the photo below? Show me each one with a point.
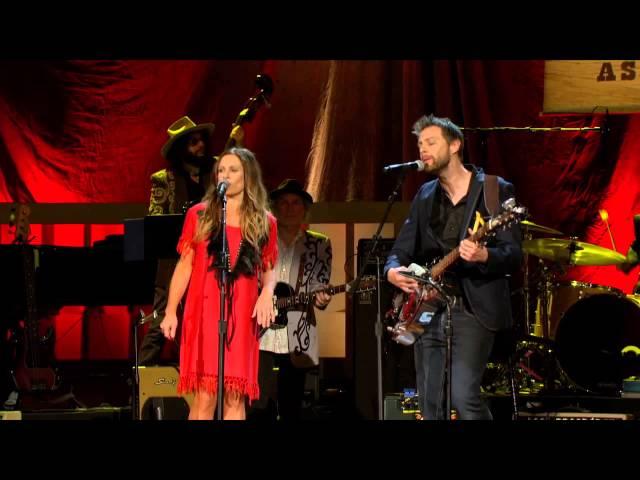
(491, 194)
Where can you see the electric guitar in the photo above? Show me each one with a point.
(30, 375)
(411, 311)
(285, 298)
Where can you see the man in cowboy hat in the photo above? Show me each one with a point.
(187, 177)
(173, 189)
(304, 263)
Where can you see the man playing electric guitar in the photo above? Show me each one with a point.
(304, 263)
(440, 218)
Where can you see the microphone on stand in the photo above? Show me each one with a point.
(221, 189)
(146, 318)
(415, 165)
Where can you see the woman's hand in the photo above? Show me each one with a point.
(169, 325)
(263, 309)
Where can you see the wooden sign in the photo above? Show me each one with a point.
(584, 86)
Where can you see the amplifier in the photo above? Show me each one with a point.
(573, 416)
(158, 397)
(399, 406)
(11, 415)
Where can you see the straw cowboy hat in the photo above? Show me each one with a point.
(291, 185)
(182, 127)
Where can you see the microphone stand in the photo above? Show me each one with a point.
(135, 394)
(356, 285)
(448, 332)
(222, 266)
(136, 375)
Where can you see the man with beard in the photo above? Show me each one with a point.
(173, 190)
(439, 221)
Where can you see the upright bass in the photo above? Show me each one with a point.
(264, 86)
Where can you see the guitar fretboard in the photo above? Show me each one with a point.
(450, 258)
(305, 298)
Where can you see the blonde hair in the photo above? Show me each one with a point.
(254, 222)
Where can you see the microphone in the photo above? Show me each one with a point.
(146, 318)
(415, 165)
(221, 189)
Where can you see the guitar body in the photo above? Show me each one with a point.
(422, 306)
(31, 376)
(413, 312)
(285, 299)
(40, 377)
(33, 380)
(282, 291)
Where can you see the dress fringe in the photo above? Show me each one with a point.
(209, 383)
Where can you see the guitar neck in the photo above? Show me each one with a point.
(31, 312)
(306, 298)
(449, 259)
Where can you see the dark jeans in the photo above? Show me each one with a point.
(281, 388)
(471, 346)
(154, 340)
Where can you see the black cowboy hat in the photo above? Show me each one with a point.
(181, 127)
(291, 185)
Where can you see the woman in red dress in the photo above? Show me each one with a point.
(252, 240)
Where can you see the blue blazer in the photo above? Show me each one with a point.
(486, 286)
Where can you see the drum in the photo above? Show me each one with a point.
(591, 337)
(564, 295)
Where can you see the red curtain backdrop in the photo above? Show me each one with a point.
(91, 131)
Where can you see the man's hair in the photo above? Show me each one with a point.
(450, 131)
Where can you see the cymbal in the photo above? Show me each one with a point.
(539, 228)
(572, 252)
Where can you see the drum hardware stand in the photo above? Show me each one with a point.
(525, 287)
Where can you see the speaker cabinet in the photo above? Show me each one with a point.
(11, 415)
(398, 371)
(158, 397)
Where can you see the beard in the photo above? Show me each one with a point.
(439, 164)
(199, 162)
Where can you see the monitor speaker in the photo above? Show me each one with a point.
(158, 396)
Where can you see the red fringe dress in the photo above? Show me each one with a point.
(199, 336)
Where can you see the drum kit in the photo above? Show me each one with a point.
(572, 335)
